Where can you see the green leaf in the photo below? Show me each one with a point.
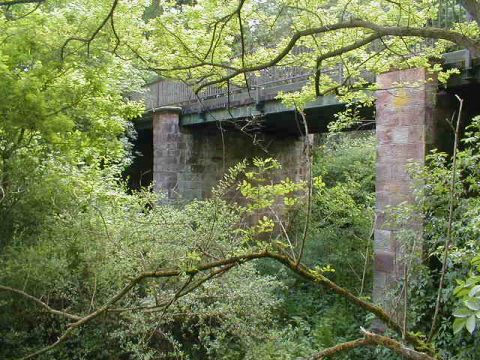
(458, 325)
(462, 313)
(473, 304)
(470, 324)
(475, 290)
(473, 280)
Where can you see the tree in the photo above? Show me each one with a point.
(72, 109)
(208, 43)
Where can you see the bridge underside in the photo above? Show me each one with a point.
(269, 117)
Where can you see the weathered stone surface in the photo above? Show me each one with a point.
(383, 241)
(188, 163)
(384, 261)
(404, 118)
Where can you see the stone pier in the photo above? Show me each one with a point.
(405, 112)
(169, 143)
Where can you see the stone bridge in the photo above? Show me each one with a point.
(189, 141)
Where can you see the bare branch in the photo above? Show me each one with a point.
(10, 17)
(346, 346)
(17, 2)
(356, 45)
(40, 302)
(224, 20)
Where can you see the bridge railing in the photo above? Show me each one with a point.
(261, 87)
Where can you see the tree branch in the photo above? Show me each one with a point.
(372, 339)
(89, 40)
(356, 45)
(318, 278)
(346, 346)
(396, 346)
(451, 204)
(17, 2)
(40, 303)
(379, 31)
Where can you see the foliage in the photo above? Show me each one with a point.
(468, 291)
(341, 226)
(71, 235)
(99, 236)
(339, 46)
(71, 108)
(338, 239)
(432, 194)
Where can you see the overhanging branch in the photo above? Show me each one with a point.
(377, 30)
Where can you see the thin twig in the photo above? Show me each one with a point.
(405, 299)
(89, 40)
(308, 157)
(367, 250)
(448, 238)
(284, 231)
(17, 2)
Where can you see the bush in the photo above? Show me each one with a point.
(78, 236)
(339, 237)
